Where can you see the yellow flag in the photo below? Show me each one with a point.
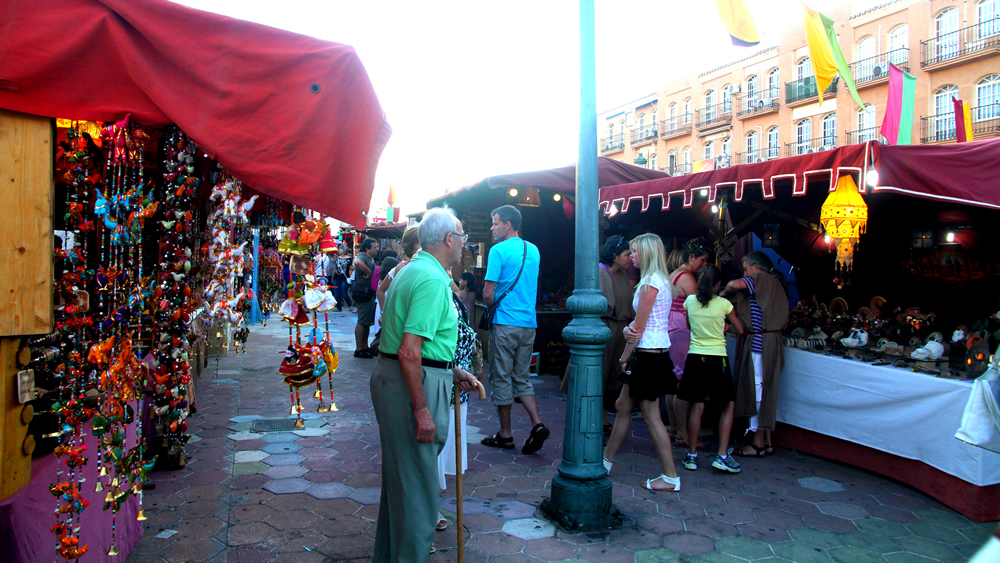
(823, 62)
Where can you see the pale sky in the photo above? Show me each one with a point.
(477, 88)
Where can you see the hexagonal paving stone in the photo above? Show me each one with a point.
(851, 554)
(928, 548)
(820, 484)
(282, 448)
(287, 486)
(730, 514)
(744, 548)
(283, 459)
(251, 468)
(369, 495)
(937, 533)
(286, 472)
(246, 418)
(330, 490)
(307, 432)
(250, 456)
(818, 538)
(871, 542)
(843, 510)
(275, 437)
(946, 519)
(800, 552)
(510, 510)
(239, 436)
(690, 544)
(529, 528)
(660, 555)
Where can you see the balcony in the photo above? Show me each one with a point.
(676, 127)
(941, 127)
(802, 91)
(864, 135)
(958, 47)
(677, 169)
(759, 155)
(614, 143)
(714, 115)
(810, 146)
(764, 103)
(643, 134)
(874, 71)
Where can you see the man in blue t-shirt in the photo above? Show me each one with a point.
(512, 336)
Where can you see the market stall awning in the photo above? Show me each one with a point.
(609, 172)
(385, 230)
(961, 173)
(293, 116)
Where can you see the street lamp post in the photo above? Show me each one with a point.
(581, 491)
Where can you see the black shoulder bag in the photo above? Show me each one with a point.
(486, 321)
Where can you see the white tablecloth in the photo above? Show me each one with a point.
(894, 410)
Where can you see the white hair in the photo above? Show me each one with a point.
(435, 226)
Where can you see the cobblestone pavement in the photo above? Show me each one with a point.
(312, 494)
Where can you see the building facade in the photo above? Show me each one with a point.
(767, 106)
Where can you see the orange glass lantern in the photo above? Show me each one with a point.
(844, 217)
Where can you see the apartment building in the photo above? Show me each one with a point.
(767, 106)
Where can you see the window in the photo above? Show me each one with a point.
(944, 113)
(753, 87)
(709, 115)
(687, 158)
(672, 162)
(772, 143)
(899, 44)
(946, 34)
(709, 150)
(672, 118)
(611, 133)
(987, 98)
(803, 136)
(773, 85)
(830, 130)
(753, 144)
(804, 69)
(989, 18)
(653, 122)
(621, 129)
(727, 98)
(727, 146)
(867, 131)
(652, 161)
(867, 60)
(642, 120)
(687, 111)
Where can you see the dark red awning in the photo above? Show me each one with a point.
(961, 173)
(292, 116)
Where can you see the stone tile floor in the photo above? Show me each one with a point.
(312, 494)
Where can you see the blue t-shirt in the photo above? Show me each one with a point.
(518, 308)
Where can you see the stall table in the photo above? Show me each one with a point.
(890, 421)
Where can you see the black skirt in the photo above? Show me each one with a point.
(649, 376)
(707, 379)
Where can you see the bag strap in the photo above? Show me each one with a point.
(496, 304)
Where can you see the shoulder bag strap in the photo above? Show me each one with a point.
(524, 259)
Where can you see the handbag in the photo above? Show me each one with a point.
(486, 321)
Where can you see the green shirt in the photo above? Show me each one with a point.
(707, 323)
(419, 302)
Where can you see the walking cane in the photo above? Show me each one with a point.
(458, 465)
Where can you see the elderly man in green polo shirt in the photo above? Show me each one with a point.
(411, 389)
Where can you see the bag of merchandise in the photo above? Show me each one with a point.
(981, 420)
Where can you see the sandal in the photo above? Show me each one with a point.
(442, 524)
(497, 441)
(675, 481)
(433, 549)
(535, 440)
(607, 464)
(758, 452)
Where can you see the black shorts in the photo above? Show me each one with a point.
(650, 377)
(707, 379)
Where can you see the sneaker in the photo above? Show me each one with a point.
(728, 465)
(691, 462)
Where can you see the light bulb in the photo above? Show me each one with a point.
(703, 191)
(950, 236)
(872, 178)
(826, 239)
(557, 197)
(715, 209)
(513, 192)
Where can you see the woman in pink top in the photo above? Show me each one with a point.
(695, 255)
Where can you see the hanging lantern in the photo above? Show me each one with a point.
(525, 197)
(844, 217)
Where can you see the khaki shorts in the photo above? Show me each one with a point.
(366, 312)
(510, 356)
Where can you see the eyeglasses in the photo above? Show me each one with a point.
(465, 237)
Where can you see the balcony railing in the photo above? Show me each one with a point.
(614, 143)
(643, 134)
(941, 127)
(805, 88)
(761, 102)
(969, 40)
(679, 169)
(759, 155)
(864, 135)
(715, 114)
(810, 146)
(675, 127)
(877, 67)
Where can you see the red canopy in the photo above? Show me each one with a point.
(562, 180)
(293, 116)
(963, 173)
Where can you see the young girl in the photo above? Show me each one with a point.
(706, 374)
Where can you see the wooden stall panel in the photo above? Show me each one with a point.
(26, 203)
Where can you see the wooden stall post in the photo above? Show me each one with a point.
(27, 191)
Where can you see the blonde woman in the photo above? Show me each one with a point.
(650, 375)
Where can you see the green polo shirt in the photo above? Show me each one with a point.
(419, 302)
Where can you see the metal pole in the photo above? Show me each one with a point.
(255, 314)
(581, 491)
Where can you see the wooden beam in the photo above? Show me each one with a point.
(15, 465)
